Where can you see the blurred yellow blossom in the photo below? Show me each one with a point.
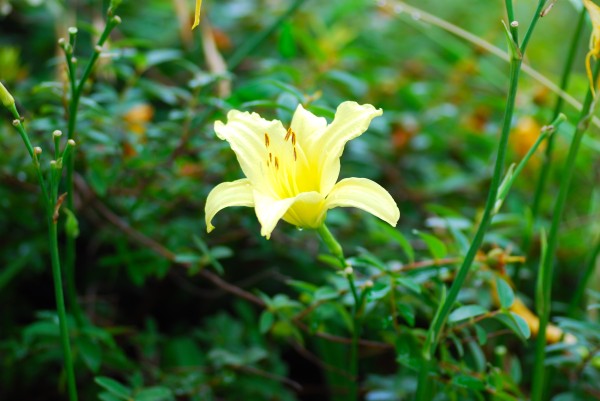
(524, 135)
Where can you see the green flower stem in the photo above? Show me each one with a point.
(60, 304)
(536, 16)
(546, 132)
(76, 91)
(50, 206)
(435, 330)
(564, 81)
(537, 393)
(514, 30)
(336, 249)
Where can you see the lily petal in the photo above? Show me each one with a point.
(366, 195)
(245, 132)
(305, 124)
(270, 210)
(326, 148)
(236, 193)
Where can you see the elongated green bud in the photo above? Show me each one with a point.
(5, 97)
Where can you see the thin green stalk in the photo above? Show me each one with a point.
(532, 24)
(76, 92)
(539, 372)
(435, 330)
(514, 28)
(50, 205)
(60, 304)
(336, 249)
(564, 81)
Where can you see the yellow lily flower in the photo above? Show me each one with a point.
(291, 174)
(594, 12)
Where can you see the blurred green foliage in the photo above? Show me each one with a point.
(154, 327)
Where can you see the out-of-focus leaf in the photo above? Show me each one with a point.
(466, 312)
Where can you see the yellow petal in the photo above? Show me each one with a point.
(236, 193)
(366, 195)
(270, 210)
(305, 124)
(245, 132)
(326, 148)
(197, 13)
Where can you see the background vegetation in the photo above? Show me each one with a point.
(159, 310)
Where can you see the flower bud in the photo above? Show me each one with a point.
(5, 97)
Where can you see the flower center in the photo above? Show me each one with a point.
(286, 165)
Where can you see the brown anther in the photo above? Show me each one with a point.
(288, 133)
(270, 157)
(276, 163)
(293, 138)
(295, 157)
(267, 140)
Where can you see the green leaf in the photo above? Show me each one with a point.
(522, 325)
(516, 323)
(408, 283)
(399, 238)
(266, 321)
(435, 245)
(466, 312)
(407, 313)
(325, 293)
(287, 44)
(114, 387)
(505, 293)
(469, 382)
(408, 352)
(108, 397)
(481, 334)
(379, 291)
(90, 353)
(155, 394)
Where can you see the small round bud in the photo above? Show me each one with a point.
(514, 24)
(53, 164)
(369, 284)
(116, 19)
(61, 41)
(71, 142)
(37, 150)
(57, 134)
(98, 49)
(73, 60)
(348, 271)
(16, 122)
(73, 30)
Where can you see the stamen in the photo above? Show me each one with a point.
(267, 140)
(270, 157)
(276, 163)
(293, 137)
(287, 135)
(295, 157)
